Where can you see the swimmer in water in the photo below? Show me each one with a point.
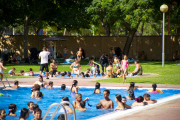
(36, 89)
(74, 87)
(106, 102)
(35, 108)
(138, 101)
(61, 117)
(99, 106)
(97, 88)
(30, 105)
(39, 95)
(16, 83)
(12, 110)
(76, 103)
(147, 99)
(40, 81)
(66, 105)
(2, 114)
(63, 87)
(131, 91)
(24, 114)
(121, 105)
(37, 114)
(50, 85)
(154, 90)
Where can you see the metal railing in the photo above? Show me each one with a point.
(6, 80)
(58, 105)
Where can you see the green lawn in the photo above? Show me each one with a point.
(169, 74)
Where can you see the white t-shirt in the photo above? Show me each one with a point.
(44, 56)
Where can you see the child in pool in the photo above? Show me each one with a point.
(106, 102)
(131, 91)
(30, 105)
(12, 110)
(68, 109)
(39, 95)
(16, 84)
(1, 68)
(97, 88)
(37, 114)
(24, 114)
(35, 108)
(76, 103)
(99, 106)
(50, 85)
(121, 105)
(63, 87)
(124, 66)
(12, 72)
(61, 117)
(2, 114)
(154, 90)
(74, 87)
(138, 101)
(147, 99)
(36, 89)
(31, 73)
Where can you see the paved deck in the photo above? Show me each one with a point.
(168, 111)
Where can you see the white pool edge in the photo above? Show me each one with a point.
(120, 114)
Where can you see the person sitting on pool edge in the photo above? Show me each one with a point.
(16, 83)
(50, 85)
(106, 102)
(12, 110)
(138, 70)
(138, 101)
(37, 114)
(154, 90)
(76, 103)
(147, 99)
(2, 114)
(30, 106)
(53, 67)
(74, 87)
(40, 81)
(97, 88)
(68, 109)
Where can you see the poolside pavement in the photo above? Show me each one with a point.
(168, 111)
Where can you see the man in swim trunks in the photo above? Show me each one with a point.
(53, 67)
(65, 52)
(44, 61)
(138, 70)
(106, 102)
(1, 68)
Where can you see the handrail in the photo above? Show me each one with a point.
(6, 80)
(55, 110)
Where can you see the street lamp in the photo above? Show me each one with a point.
(163, 8)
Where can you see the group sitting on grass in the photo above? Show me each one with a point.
(79, 104)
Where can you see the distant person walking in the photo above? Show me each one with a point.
(103, 62)
(44, 61)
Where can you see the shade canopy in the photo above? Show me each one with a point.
(54, 38)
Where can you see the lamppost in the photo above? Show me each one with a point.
(163, 8)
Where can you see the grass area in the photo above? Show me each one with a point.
(169, 74)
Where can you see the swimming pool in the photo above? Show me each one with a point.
(21, 97)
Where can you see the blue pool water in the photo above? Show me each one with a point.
(21, 97)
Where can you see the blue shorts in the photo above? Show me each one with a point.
(10, 72)
(114, 54)
(65, 54)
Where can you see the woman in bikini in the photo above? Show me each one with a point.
(124, 64)
(109, 71)
(79, 54)
(75, 67)
(117, 63)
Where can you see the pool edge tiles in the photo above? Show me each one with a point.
(120, 114)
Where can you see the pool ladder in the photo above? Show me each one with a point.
(6, 80)
(58, 105)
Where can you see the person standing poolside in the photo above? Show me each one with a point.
(65, 52)
(44, 61)
(75, 67)
(109, 71)
(103, 62)
(1, 68)
(53, 67)
(79, 54)
(124, 65)
(117, 63)
(138, 70)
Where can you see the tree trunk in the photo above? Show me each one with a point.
(141, 33)
(128, 41)
(25, 38)
(107, 31)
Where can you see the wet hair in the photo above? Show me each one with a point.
(38, 110)
(40, 94)
(108, 92)
(154, 86)
(22, 71)
(30, 103)
(16, 82)
(132, 84)
(61, 117)
(63, 86)
(146, 95)
(37, 87)
(77, 95)
(139, 99)
(50, 82)
(97, 86)
(65, 99)
(30, 69)
(87, 75)
(136, 61)
(1, 111)
(118, 96)
(40, 77)
(35, 106)
(75, 82)
(12, 108)
(83, 104)
(24, 112)
(98, 106)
